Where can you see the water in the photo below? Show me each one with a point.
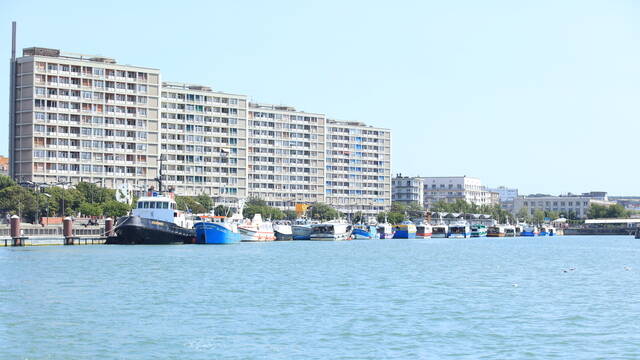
(393, 299)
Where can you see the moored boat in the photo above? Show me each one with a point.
(154, 221)
(440, 231)
(257, 230)
(331, 231)
(283, 231)
(529, 230)
(496, 231)
(215, 230)
(364, 232)
(509, 231)
(385, 231)
(423, 231)
(478, 230)
(404, 230)
(459, 230)
(547, 230)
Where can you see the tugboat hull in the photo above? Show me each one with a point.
(136, 230)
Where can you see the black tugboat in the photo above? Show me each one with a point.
(155, 220)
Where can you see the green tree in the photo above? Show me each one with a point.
(70, 198)
(115, 209)
(19, 201)
(323, 212)
(222, 210)
(6, 181)
(523, 214)
(205, 201)
(187, 203)
(89, 209)
(290, 215)
(93, 193)
(538, 216)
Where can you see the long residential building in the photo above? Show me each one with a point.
(286, 155)
(358, 164)
(86, 118)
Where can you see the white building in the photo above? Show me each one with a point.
(563, 204)
(505, 193)
(358, 164)
(407, 189)
(286, 155)
(451, 188)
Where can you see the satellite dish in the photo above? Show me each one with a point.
(123, 194)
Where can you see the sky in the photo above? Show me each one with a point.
(539, 95)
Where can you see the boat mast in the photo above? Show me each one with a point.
(159, 178)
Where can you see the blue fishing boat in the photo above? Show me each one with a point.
(405, 230)
(213, 230)
(364, 232)
(529, 231)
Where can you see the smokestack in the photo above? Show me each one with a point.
(13, 41)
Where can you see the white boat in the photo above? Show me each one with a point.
(459, 230)
(331, 231)
(283, 231)
(509, 231)
(257, 230)
(440, 231)
(424, 231)
(385, 231)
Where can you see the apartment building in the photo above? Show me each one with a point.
(407, 189)
(285, 155)
(87, 118)
(565, 205)
(358, 164)
(452, 188)
(203, 140)
(83, 118)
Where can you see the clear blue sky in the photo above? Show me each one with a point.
(539, 95)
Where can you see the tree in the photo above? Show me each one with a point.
(258, 206)
(538, 216)
(205, 201)
(115, 209)
(290, 215)
(222, 210)
(523, 214)
(6, 181)
(93, 193)
(323, 212)
(89, 209)
(19, 201)
(70, 198)
(357, 218)
(597, 211)
(187, 203)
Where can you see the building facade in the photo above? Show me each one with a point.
(405, 189)
(506, 196)
(358, 167)
(86, 118)
(286, 155)
(565, 205)
(452, 188)
(203, 141)
(82, 118)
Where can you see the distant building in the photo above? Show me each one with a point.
(505, 193)
(563, 204)
(451, 188)
(407, 189)
(4, 165)
(629, 202)
(506, 196)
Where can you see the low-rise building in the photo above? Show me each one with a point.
(405, 189)
(4, 165)
(569, 205)
(452, 188)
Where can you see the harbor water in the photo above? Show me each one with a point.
(572, 297)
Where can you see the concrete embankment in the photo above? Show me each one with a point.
(68, 233)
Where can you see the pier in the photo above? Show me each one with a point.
(68, 233)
